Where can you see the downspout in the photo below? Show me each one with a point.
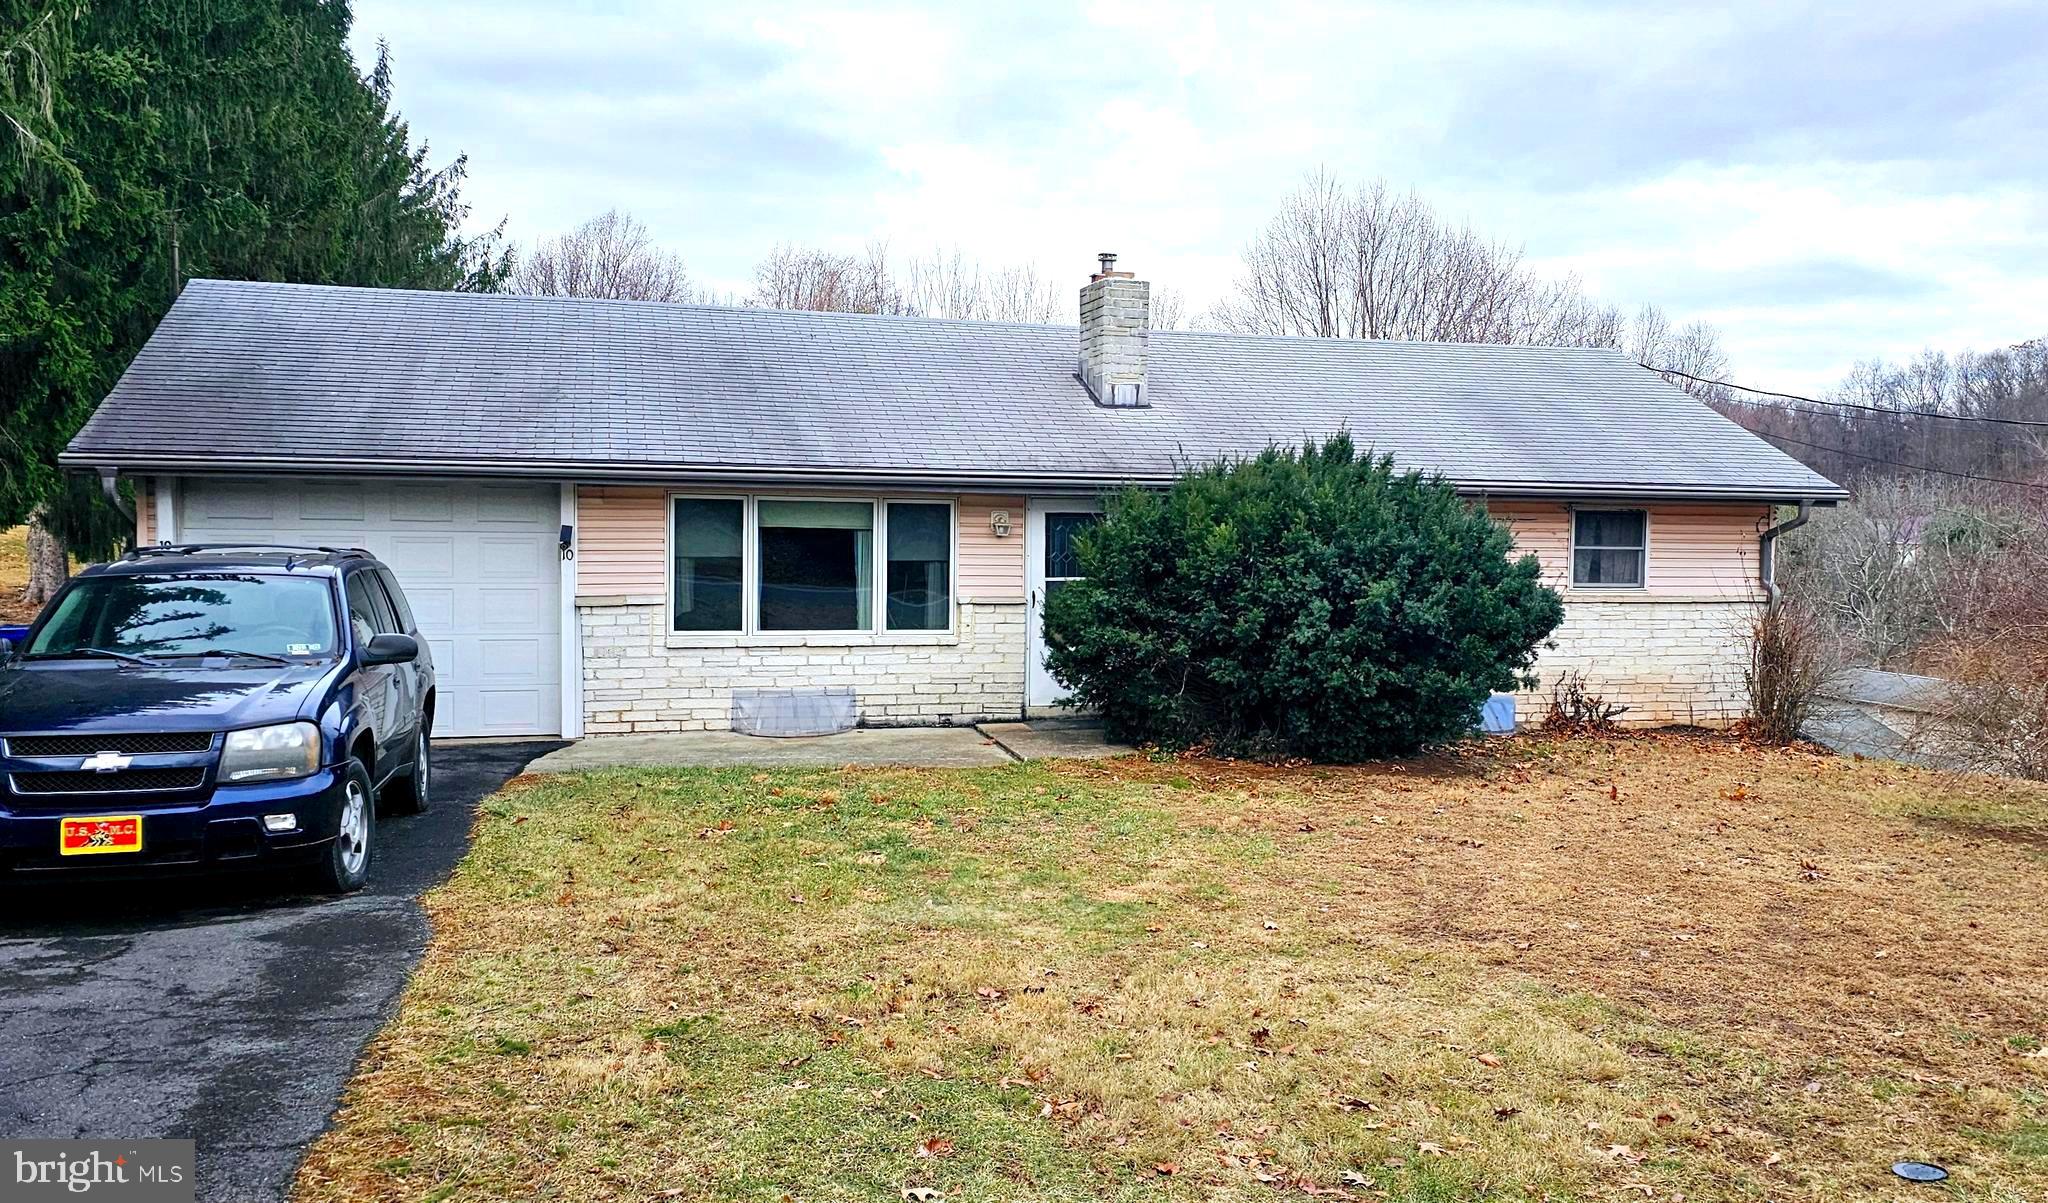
(1767, 548)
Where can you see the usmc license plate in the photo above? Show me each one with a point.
(94, 834)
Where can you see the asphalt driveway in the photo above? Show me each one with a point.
(230, 1012)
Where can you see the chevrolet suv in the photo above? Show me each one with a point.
(213, 706)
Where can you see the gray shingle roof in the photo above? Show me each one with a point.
(254, 375)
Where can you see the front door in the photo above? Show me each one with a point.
(1049, 530)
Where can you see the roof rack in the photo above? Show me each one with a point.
(189, 549)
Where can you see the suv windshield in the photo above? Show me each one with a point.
(155, 616)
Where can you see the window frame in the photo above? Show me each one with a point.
(668, 566)
(952, 505)
(1572, 548)
(750, 632)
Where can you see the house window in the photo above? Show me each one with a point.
(1609, 548)
(708, 535)
(817, 565)
(918, 570)
(784, 565)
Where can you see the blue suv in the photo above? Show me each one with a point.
(210, 706)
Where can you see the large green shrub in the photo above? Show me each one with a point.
(1313, 603)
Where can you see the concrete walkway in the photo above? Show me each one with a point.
(923, 747)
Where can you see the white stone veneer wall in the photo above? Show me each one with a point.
(1670, 660)
(635, 681)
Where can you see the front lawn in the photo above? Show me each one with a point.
(1642, 968)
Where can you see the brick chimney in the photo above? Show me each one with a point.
(1116, 320)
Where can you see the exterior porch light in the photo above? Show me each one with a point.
(999, 523)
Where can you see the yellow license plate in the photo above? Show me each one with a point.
(94, 834)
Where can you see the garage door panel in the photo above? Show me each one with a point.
(512, 557)
(511, 711)
(422, 503)
(332, 503)
(235, 502)
(421, 557)
(512, 505)
(477, 561)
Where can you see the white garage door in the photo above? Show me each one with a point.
(478, 561)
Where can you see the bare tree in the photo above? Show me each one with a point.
(794, 277)
(942, 284)
(1370, 263)
(610, 257)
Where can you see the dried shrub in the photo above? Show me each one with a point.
(1791, 659)
(1577, 710)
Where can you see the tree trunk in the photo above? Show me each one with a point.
(48, 563)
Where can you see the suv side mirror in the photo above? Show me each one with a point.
(391, 649)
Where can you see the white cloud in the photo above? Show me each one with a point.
(1826, 186)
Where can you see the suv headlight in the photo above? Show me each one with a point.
(276, 753)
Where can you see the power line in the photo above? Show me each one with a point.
(1875, 409)
(1893, 463)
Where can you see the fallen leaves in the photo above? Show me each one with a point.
(934, 1146)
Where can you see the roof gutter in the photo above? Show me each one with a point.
(613, 472)
(1767, 549)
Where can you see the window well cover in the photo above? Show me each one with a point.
(791, 712)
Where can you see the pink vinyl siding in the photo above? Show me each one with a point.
(1695, 550)
(145, 511)
(622, 542)
(991, 569)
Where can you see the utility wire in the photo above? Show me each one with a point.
(1875, 409)
(1893, 463)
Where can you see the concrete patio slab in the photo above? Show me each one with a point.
(923, 747)
(1048, 738)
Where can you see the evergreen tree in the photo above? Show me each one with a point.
(147, 142)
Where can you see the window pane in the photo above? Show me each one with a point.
(367, 611)
(817, 565)
(1061, 558)
(1607, 567)
(190, 615)
(707, 568)
(920, 556)
(1610, 528)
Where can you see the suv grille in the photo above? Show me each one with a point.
(133, 781)
(142, 744)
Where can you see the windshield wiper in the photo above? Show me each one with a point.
(230, 653)
(103, 653)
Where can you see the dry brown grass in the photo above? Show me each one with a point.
(1642, 967)
(14, 575)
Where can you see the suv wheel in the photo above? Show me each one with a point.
(346, 864)
(409, 793)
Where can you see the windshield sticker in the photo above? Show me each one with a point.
(299, 649)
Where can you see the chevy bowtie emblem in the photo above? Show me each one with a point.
(105, 762)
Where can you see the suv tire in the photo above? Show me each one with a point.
(411, 791)
(345, 864)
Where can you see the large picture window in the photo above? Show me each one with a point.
(784, 565)
(817, 565)
(1609, 548)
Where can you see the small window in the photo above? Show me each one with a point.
(1609, 547)
(817, 565)
(708, 538)
(396, 597)
(1062, 554)
(920, 555)
(368, 613)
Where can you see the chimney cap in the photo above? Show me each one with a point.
(1109, 271)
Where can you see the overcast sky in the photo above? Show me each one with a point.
(1823, 184)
